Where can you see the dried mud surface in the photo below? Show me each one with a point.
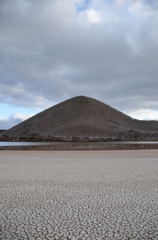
(79, 195)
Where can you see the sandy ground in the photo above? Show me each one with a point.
(79, 195)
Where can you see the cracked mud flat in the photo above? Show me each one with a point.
(79, 195)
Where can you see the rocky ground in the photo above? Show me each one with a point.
(130, 135)
(79, 195)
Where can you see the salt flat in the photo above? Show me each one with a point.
(79, 195)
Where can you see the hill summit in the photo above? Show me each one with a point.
(81, 119)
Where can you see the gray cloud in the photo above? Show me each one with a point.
(50, 51)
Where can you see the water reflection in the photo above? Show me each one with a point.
(85, 144)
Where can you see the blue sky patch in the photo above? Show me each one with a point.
(82, 6)
(8, 110)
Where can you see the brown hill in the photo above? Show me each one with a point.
(82, 119)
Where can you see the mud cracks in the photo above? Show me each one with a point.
(79, 195)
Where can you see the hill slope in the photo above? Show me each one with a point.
(82, 119)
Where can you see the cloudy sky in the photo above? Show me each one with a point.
(52, 50)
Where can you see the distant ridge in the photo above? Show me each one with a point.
(1, 130)
(81, 119)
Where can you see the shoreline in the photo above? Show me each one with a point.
(83, 146)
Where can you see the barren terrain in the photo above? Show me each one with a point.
(79, 195)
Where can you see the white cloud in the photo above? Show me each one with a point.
(140, 10)
(144, 114)
(93, 16)
(22, 117)
(121, 2)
